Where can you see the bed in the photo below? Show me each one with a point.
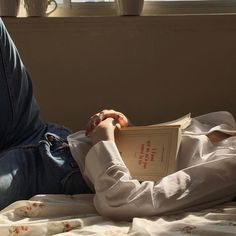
(75, 215)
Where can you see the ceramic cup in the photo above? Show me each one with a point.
(39, 7)
(9, 7)
(129, 7)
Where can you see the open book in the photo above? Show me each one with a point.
(150, 151)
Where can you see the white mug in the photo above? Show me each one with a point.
(39, 7)
(9, 7)
(129, 7)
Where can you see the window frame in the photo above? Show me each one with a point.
(151, 8)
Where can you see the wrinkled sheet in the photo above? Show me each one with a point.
(76, 215)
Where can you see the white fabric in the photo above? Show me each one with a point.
(47, 215)
(206, 173)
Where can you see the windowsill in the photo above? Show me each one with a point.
(171, 22)
(150, 8)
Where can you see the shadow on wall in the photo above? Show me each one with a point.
(151, 68)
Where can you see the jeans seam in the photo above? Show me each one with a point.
(6, 80)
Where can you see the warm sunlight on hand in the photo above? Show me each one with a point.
(120, 119)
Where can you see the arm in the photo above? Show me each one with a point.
(118, 196)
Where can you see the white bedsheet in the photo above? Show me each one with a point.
(76, 215)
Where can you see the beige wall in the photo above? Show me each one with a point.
(152, 68)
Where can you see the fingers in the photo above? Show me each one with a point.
(117, 116)
(96, 119)
(93, 122)
(104, 131)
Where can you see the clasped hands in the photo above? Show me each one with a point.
(102, 125)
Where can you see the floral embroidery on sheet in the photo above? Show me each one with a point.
(71, 224)
(31, 209)
(66, 226)
(187, 229)
(62, 226)
(18, 230)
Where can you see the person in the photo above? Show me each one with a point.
(37, 157)
(205, 173)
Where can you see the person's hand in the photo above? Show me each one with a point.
(217, 136)
(102, 126)
(96, 119)
(104, 131)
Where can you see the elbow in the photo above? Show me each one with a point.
(125, 211)
(117, 213)
(114, 212)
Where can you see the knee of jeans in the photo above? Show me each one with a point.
(10, 189)
(74, 183)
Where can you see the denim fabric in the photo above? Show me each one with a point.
(34, 156)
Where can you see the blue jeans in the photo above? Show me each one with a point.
(34, 155)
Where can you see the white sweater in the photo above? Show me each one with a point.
(206, 173)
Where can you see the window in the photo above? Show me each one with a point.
(151, 7)
(92, 0)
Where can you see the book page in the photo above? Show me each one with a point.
(183, 121)
(149, 152)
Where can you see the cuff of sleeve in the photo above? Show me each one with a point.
(100, 157)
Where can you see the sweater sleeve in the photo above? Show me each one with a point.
(121, 197)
